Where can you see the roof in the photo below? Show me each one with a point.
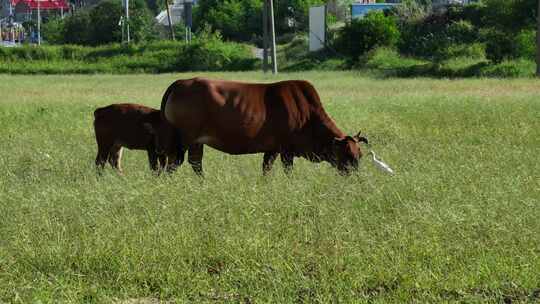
(43, 4)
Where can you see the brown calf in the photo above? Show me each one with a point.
(134, 127)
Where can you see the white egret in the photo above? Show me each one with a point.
(380, 164)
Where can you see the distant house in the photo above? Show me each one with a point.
(177, 12)
(23, 10)
(451, 2)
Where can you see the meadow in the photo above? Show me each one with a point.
(458, 223)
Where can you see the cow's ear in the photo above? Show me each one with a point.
(149, 128)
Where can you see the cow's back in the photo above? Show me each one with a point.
(124, 124)
(238, 118)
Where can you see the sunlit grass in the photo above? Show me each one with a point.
(458, 222)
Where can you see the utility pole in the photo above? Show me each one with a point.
(265, 36)
(188, 18)
(126, 21)
(538, 41)
(273, 37)
(38, 22)
(169, 19)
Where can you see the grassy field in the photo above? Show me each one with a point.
(458, 223)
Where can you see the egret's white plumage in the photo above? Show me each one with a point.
(380, 164)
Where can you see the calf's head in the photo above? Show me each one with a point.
(165, 139)
(346, 153)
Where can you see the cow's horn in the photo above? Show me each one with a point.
(359, 138)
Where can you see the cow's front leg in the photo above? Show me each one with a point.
(195, 155)
(268, 161)
(152, 159)
(287, 160)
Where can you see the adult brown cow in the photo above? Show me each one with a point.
(135, 127)
(284, 118)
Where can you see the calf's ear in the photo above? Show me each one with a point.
(149, 128)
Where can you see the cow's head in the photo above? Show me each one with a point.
(346, 153)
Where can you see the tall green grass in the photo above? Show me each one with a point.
(457, 223)
(156, 57)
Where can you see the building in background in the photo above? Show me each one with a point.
(177, 12)
(26, 10)
(360, 9)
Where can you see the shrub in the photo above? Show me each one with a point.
(362, 35)
(207, 52)
(436, 37)
(53, 31)
(388, 59)
(499, 45)
(238, 20)
(99, 24)
(473, 50)
(515, 68)
(77, 28)
(525, 43)
(104, 20)
(410, 11)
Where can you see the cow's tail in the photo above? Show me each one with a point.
(177, 135)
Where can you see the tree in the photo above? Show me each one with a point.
(99, 24)
(238, 20)
(293, 15)
(538, 40)
(76, 28)
(241, 20)
(104, 18)
(372, 31)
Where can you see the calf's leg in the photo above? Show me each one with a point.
(268, 161)
(162, 160)
(115, 157)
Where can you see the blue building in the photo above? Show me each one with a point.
(358, 10)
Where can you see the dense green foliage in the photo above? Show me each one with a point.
(241, 20)
(494, 35)
(372, 31)
(99, 25)
(458, 223)
(503, 27)
(204, 53)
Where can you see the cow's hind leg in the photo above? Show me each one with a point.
(102, 155)
(287, 160)
(115, 157)
(195, 156)
(268, 161)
